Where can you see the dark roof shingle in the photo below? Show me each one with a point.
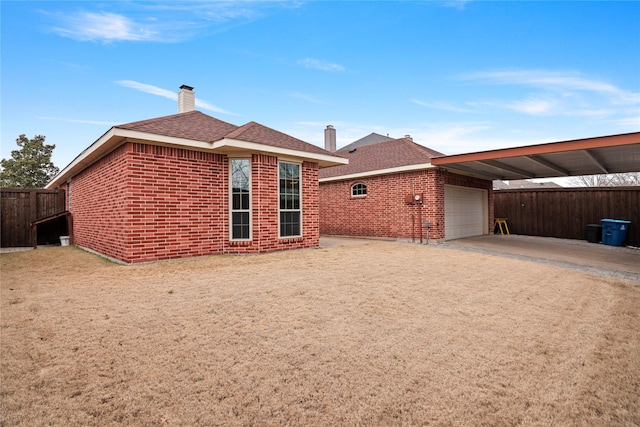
(383, 155)
(193, 125)
(255, 132)
(198, 126)
(372, 138)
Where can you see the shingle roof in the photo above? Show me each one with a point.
(193, 125)
(255, 132)
(372, 138)
(383, 155)
(522, 183)
(197, 130)
(198, 126)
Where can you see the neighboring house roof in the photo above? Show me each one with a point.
(197, 131)
(522, 183)
(372, 138)
(392, 156)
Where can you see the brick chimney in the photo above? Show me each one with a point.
(186, 99)
(330, 139)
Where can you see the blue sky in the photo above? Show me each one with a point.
(458, 76)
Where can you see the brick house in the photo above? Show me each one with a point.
(189, 184)
(389, 189)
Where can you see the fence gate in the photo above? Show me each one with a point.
(19, 207)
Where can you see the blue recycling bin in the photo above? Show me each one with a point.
(614, 231)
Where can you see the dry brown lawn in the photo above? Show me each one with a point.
(377, 334)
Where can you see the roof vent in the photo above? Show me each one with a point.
(186, 99)
(408, 137)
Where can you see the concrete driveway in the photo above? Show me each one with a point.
(612, 261)
(615, 261)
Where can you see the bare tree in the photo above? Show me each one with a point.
(608, 180)
(626, 179)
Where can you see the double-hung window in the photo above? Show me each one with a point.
(290, 195)
(240, 199)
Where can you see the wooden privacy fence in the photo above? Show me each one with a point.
(567, 212)
(20, 207)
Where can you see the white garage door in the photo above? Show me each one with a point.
(465, 212)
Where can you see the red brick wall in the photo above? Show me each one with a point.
(145, 202)
(175, 206)
(265, 205)
(310, 204)
(383, 212)
(98, 205)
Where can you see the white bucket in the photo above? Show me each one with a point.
(64, 240)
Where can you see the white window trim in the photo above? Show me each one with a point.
(359, 195)
(300, 186)
(230, 205)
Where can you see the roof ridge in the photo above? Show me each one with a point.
(410, 140)
(242, 128)
(261, 134)
(384, 155)
(161, 118)
(193, 125)
(430, 151)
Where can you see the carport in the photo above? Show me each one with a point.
(591, 156)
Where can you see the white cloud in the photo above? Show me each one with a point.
(165, 93)
(153, 90)
(556, 81)
(157, 21)
(456, 4)
(533, 106)
(80, 121)
(306, 97)
(445, 106)
(446, 137)
(631, 124)
(318, 64)
(558, 93)
(106, 27)
(346, 132)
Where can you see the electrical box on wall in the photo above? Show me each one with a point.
(413, 198)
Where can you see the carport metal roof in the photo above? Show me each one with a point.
(591, 156)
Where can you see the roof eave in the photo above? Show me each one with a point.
(388, 171)
(111, 140)
(115, 137)
(230, 145)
